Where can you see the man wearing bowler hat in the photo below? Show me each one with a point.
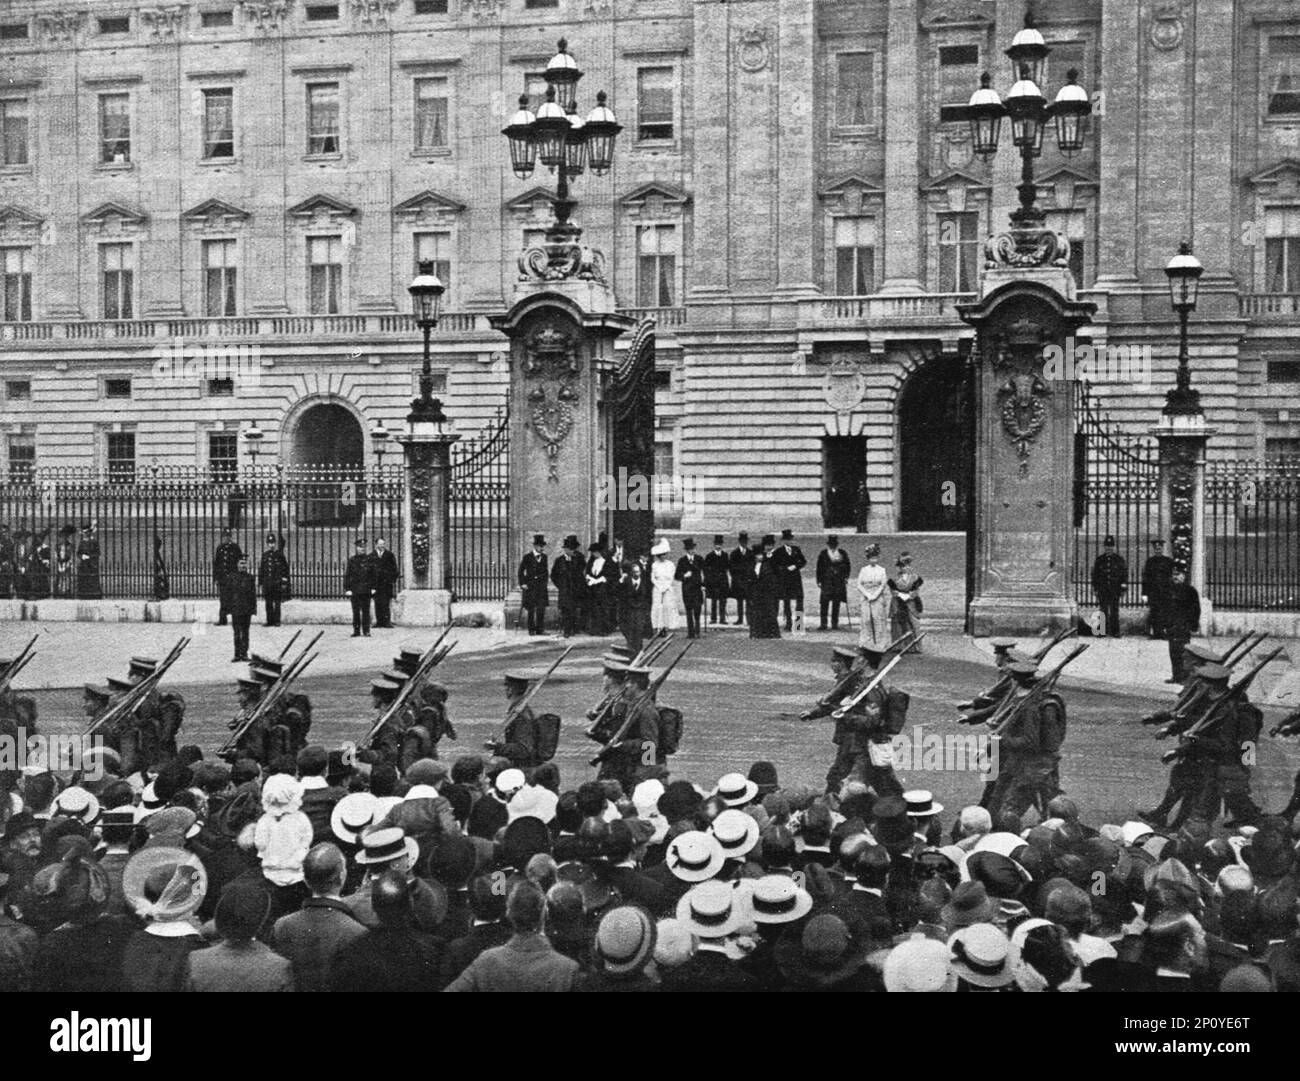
(532, 583)
(358, 585)
(1109, 581)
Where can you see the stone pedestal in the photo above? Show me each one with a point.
(426, 600)
(1024, 437)
(561, 447)
(1183, 438)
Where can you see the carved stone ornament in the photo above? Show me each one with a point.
(164, 22)
(265, 15)
(552, 261)
(1026, 248)
(1181, 463)
(1021, 399)
(373, 11)
(551, 359)
(754, 52)
(483, 10)
(60, 27)
(844, 386)
(596, 8)
(1166, 30)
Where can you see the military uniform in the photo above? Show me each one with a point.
(273, 576)
(847, 683)
(224, 561)
(1192, 776)
(640, 744)
(1028, 749)
(358, 585)
(519, 740)
(1157, 578)
(1109, 580)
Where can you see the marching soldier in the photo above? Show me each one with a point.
(384, 567)
(1029, 746)
(1193, 782)
(868, 728)
(224, 562)
(613, 675)
(690, 572)
(717, 582)
(430, 724)
(252, 744)
(567, 575)
(358, 585)
(1109, 581)
(273, 577)
(639, 744)
(1157, 577)
(388, 740)
(522, 739)
(532, 583)
(788, 563)
(741, 563)
(833, 570)
(847, 683)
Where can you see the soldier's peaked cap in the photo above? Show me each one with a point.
(249, 684)
(615, 666)
(395, 676)
(411, 654)
(1211, 670)
(638, 670)
(1016, 656)
(1201, 652)
(518, 676)
(844, 653)
(264, 674)
(1023, 668)
(383, 686)
(115, 684)
(139, 662)
(93, 690)
(1000, 644)
(267, 662)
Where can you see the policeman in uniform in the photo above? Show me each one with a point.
(1157, 577)
(358, 585)
(224, 561)
(690, 572)
(848, 682)
(868, 727)
(273, 576)
(639, 745)
(519, 740)
(1109, 581)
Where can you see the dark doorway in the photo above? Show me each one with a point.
(329, 455)
(935, 440)
(844, 479)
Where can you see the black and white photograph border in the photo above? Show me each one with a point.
(650, 495)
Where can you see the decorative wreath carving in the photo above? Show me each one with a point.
(552, 420)
(1023, 413)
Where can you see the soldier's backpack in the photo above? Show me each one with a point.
(895, 711)
(548, 736)
(1051, 733)
(670, 730)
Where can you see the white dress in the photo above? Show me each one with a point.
(663, 603)
(873, 589)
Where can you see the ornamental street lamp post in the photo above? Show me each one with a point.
(1184, 272)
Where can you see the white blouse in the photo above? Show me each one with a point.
(872, 581)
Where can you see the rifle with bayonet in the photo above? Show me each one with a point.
(600, 715)
(132, 700)
(985, 704)
(433, 657)
(18, 664)
(276, 691)
(645, 696)
(1217, 710)
(844, 685)
(1006, 713)
(859, 696)
(522, 704)
(1193, 694)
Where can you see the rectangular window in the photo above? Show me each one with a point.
(958, 252)
(854, 103)
(1283, 371)
(664, 464)
(436, 247)
(18, 390)
(221, 387)
(223, 457)
(654, 103)
(1283, 73)
(219, 278)
(1281, 447)
(215, 20)
(431, 7)
(322, 13)
(115, 128)
(116, 24)
(541, 3)
(664, 378)
(656, 266)
(219, 122)
(430, 114)
(1282, 249)
(16, 303)
(13, 32)
(120, 453)
(117, 273)
(1070, 224)
(117, 387)
(325, 274)
(13, 131)
(855, 256)
(958, 77)
(22, 459)
(323, 118)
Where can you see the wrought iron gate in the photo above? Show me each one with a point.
(479, 541)
(1252, 533)
(1116, 493)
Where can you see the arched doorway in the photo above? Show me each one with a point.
(327, 450)
(936, 447)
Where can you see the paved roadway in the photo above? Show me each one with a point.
(741, 699)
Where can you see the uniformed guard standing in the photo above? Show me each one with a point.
(224, 561)
(690, 572)
(273, 577)
(358, 585)
(1109, 581)
(241, 602)
(1157, 577)
(788, 562)
(717, 581)
(532, 583)
(741, 563)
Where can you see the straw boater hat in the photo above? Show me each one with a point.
(77, 803)
(778, 899)
(164, 884)
(385, 845)
(508, 782)
(694, 856)
(735, 790)
(625, 940)
(736, 833)
(980, 955)
(921, 803)
(714, 909)
(351, 815)
(918, 964)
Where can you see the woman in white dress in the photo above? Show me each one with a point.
(873, 588)
(663, 584)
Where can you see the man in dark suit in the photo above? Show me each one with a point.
(621, 872)
(239, 593)
(568, 575)
(788, 562)
(1182, 620)
(224, 561)
(833, 569)
(358, 585)
(690, 572)
(1109, 581)
(273, 577)
(384, 567)
(717, 581)
(1157, 579)
(532, 582)
(741, 562)
(763, 591)
(861, 904)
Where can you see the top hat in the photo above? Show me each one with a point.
(787, 534)
(571, 542)
(717, 540)
(539, 541)
(742, 536)
(688, 543)
(768, 540)
(832, 539)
